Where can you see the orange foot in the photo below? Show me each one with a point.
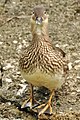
(47, 107)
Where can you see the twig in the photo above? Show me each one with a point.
(14, 17)
(1, 74)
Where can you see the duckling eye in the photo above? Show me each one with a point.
(44, 12)
(36, 18)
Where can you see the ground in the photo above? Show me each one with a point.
(64, 30)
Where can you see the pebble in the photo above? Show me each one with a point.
(77, 61)
(57, 45)
(65, 45)
(73, 93)
(24, 41)
(18, 73)
(70, 65)
(20, 46)
(51, 5)
(8, 66)
(14, 2)
(78, 77)
(61, 113)
(15, 41)
(20, 91)
(20, 38)
(1, 43)
(70, 108)
(78, 90)
(23, 81)
(77, 67)
(74, 54)
(9, 103)
(8, 80)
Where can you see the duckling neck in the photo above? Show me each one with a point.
(40, 37)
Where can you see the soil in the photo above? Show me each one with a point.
(64, 30)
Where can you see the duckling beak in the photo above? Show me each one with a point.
(38, 20)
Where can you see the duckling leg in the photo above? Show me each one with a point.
(31, 102)
(43, 108)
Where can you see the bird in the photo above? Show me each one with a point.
(41, 63)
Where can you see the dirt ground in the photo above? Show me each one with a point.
(64, 30)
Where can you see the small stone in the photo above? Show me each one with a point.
(78, 77)
(20, 38)
(61, 113)
(18, 73)
(15, 41)
(77, 67)
(20, 91)
(8, 66)
(70, 108)
(51, 5)
(78, 90)
(8, 80)
(65, 45)
(14, 2)
(77, 61)
(24, 41)
(74, 54)
(20, 46)
(73, 93)
(9, 103)
(57, 45)
(70, 65)
(23, 80)
(1, 43)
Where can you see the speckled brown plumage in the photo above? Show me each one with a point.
(40, 53)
